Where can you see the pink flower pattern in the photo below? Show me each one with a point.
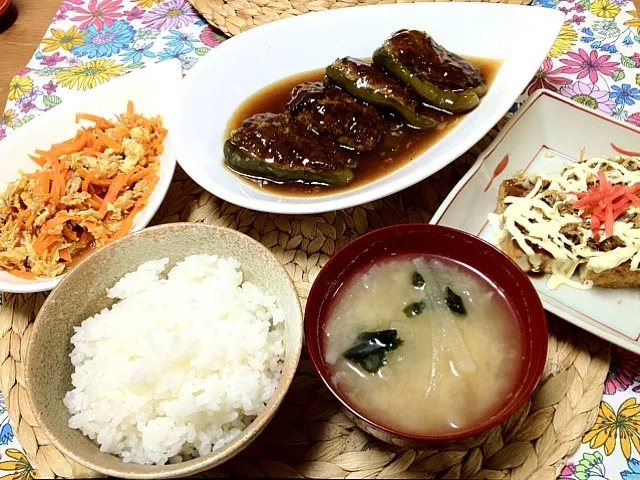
(135, 13)
(634, 118)
(69, 5)
(50, 87)
(590, 96)
(624, 370)
(52, 60)
(208, 38)
(98, 13)
(577, 19)
(583, 64)
(170, 15)
(545, 78)
(567, 472)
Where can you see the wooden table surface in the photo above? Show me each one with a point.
(18, 43)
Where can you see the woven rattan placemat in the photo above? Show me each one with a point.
(310, 436)
(235, 16)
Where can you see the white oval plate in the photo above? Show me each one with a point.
(219, 83)
(152, 90)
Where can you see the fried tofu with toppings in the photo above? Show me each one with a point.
(584, 221)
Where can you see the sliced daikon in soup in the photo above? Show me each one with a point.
(422, 345)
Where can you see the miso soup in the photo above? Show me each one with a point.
(422, 345)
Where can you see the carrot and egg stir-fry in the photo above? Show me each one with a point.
(87, 193)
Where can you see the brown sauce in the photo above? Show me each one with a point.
(409, 142)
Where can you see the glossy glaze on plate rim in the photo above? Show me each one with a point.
(349, 261)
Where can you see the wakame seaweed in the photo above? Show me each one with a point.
(417, 280)
(370, 348)
(454, 302)
(414, 309)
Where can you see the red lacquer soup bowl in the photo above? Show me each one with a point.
(433, 240)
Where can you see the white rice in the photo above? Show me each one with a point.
(180, 365)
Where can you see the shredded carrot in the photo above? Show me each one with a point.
(55, 188)
(139, 175)
(62, 184)
(95, 181)
(39, 160)
(91, 152)
(95, 202)
(128, 222)
(20, 218)
(604, 203)
(102, 182)
(119, 133)
(153, 181)
(65, 255)
(69, 234)
(46, 179)
(37, 189)
(86, 238)
(39, 185)
(67, 148)
(41, 245)
(22, 274)
(146, 123)
(30, 220)
(65, 231)
(87, 180)
(110, 143)
(59, 219)
(118, 184)
(100, 122)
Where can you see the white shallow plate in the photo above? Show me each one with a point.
(153, 91)
(532, 142)
(228, 75)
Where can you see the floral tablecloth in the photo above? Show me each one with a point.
(595, 61)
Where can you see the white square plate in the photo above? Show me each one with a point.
(531, 141)
(519, 35)
(153, 91)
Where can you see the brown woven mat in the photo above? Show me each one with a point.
(235, 16)
(310, 437)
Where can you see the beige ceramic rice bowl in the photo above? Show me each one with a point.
(82, 294)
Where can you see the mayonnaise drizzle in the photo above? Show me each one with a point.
(531, 222)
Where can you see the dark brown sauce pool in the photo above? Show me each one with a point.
(409, 144)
